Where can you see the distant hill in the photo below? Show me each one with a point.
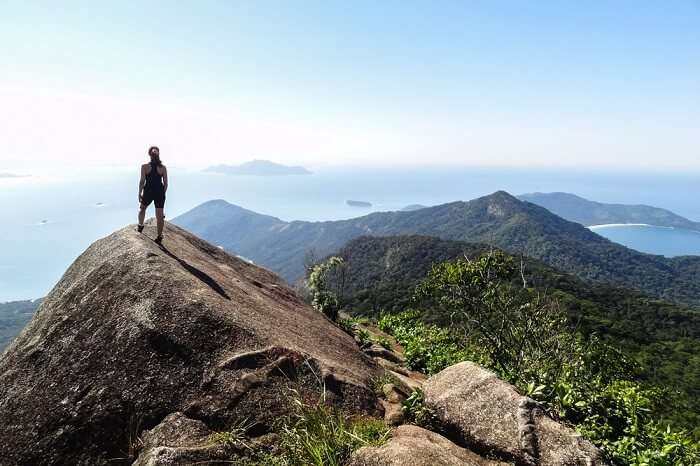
(14, 316)
(411, 207)
(585, 212)
(498, 219)
(381, 274)
(11, 175)
(259, 168)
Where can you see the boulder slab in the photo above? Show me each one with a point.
(487, 415)
(138, 330)
(415, 446)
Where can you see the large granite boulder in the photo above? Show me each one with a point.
(135, 331)
(415, 446)
(488, 415)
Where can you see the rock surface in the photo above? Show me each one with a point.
(134, 330)
(415, 446)
(490, 417)
(181, 440)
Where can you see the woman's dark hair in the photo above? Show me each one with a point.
(154, 152)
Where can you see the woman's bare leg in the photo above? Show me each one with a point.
(160, 221)
(142, 214)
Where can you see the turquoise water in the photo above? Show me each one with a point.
(48, 220)
(653, 239)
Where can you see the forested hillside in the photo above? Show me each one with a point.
(499, 219)
(380, 275)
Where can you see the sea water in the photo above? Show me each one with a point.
(652, 239)
(48, 219)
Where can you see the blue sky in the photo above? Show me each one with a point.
(601, 84)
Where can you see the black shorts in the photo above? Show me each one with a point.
(157, 198)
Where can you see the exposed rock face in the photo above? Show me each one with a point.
(415, 446)
(134, 332)
(181, 440)
(488, 416)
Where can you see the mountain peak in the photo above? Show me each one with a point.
(138, 330)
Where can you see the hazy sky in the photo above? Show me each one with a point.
(570, 83)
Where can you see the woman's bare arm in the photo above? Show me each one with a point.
(142, 181)
(165, 179)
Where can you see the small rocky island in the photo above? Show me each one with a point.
(352, 203)
(259, 168)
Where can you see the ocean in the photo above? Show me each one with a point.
(49, 219)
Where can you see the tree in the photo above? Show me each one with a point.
(325, 283)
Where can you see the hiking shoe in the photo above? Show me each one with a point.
(159, 240)
(139, 228)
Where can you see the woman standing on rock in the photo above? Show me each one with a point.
(152, 188)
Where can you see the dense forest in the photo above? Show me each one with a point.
(379, 276)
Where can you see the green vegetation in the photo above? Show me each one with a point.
(323, 297)
(318, 435)
(315, 434)
(236, 435)
(662, 338)
(322, 437)
(416, 411)
(524, 337)
(427, 348)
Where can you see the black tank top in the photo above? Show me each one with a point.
(154, 181)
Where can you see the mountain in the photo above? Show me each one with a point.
(498, 219)
(135, 333)
(14, 315)
(380, 275)
(585, 212)
(259, 168)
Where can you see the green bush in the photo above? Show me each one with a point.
(416, 411)
(427, 348)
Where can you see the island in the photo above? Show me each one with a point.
(352, 203)
(11, 175)
(412, 207)
(259, 168)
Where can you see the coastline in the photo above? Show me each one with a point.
(614, 225)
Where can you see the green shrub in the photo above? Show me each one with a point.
(416, 411)
(382, 341)
(427, 348)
